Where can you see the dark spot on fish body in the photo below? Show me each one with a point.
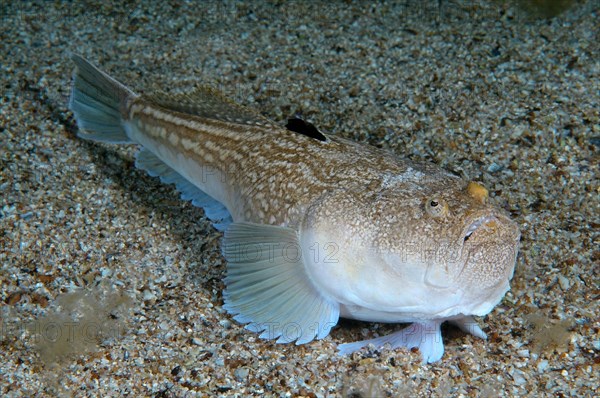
(305, 128)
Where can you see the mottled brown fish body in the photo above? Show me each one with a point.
(276, 173)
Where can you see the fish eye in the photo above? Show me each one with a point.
(436, 207)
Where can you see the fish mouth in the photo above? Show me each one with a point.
(483, 222)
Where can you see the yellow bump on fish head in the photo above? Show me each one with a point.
(478, 192)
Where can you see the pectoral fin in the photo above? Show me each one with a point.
(268, 287)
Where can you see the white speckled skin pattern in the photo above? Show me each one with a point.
(316, 227)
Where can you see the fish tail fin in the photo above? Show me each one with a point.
(97, 100)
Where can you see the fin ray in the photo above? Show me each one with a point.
(425, 336)
(96, 101)
(209, 103)
(213, 209)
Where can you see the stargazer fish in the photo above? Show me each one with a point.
(317, 227)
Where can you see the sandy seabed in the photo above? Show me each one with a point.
(112, 286)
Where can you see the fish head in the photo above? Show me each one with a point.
(433, 247)
(475, 245)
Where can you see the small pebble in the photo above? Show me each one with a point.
(523, 353)
(519, 378)
(241, 373)
(225, 323)
(564, 282)
(148, 295)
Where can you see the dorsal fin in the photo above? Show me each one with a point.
(209, 103)
(303, 127)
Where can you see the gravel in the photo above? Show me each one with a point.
(93, 247)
